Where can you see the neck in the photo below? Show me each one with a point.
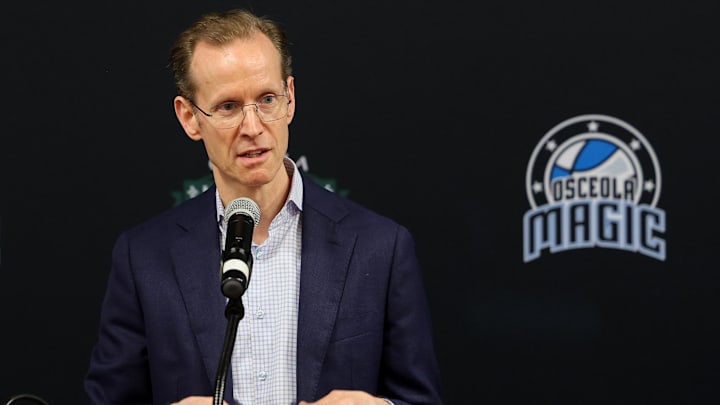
(270, 198)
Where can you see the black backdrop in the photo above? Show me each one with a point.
(427, 112)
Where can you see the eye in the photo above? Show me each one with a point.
(227, 108)
(267, 99)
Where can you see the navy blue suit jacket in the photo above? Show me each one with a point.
(363, 319)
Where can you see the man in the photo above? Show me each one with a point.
(335, 310)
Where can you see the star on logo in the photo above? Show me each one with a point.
(593, 126)
(551, 145)
(649, 185)
(635, 144)
(537, 187)
(191, 188)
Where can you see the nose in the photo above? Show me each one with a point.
(251, 124)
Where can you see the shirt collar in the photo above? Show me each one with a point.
(295, 197)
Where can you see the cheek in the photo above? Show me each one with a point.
(217, 146)
(283, 139)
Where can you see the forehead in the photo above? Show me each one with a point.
(239, 65)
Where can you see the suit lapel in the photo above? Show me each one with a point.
(196, 256)
(326, 255)
(325, 258)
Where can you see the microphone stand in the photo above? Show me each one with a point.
(242, 216)
(234, 312)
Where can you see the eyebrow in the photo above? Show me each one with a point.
(261, 94)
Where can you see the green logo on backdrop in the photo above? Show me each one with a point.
(191, 188)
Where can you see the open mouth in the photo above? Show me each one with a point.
(254, 153)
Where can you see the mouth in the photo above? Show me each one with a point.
(253, 154)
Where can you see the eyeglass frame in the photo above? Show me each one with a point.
(242, 109)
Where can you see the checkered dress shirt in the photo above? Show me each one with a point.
(264, 356)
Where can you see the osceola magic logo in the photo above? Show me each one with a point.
(593, 181)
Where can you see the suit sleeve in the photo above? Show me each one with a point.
(410, 372)
(118, 372)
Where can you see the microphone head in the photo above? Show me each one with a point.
(243, 205)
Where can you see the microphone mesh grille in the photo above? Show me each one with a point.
(243, 205)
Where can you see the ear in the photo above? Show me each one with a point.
(186, 116)
(291, 97)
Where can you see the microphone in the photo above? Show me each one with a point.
(241, 217)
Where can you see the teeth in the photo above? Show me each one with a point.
(253, 154)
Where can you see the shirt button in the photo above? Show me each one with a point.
(262, 376)
(259, 314)
(259, 253)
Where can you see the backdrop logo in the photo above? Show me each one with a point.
(191, 188)
(593, 181)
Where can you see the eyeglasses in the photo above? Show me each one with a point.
(231, 114)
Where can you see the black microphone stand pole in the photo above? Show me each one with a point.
(243, 215)
(234, 312)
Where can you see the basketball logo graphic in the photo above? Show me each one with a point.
(593, 181)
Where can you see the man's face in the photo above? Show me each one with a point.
(249, 156)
